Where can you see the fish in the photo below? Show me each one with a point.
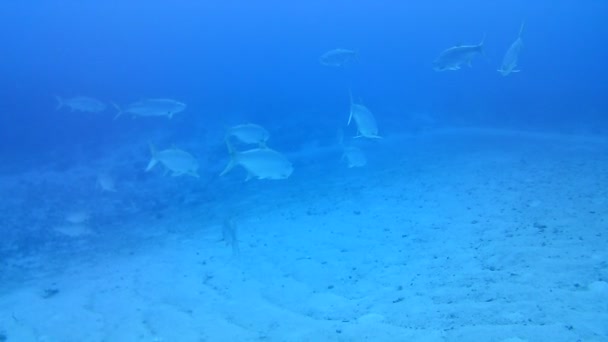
(260, 163)
(364, 119)
(338, 57)
(509, 61)
(454, 57)
(177, 161)
(105, 182)
(249, 134)
(81, 104)
(77, 217)
(74, 230)
(354, 157)
(152, 107)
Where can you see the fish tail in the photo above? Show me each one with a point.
(232, 162)
(118, 110)
(483, 40)
(480, 45)
(153, 159)
(59, 102)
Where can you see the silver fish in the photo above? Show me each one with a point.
(260, 163)
(152, 107)
(81, 104)
(249, 134)
(509, 61)
(106, 182)
(175, 160)
(454, 57)
(338, 57)
(364, 119)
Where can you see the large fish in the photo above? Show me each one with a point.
(364, 119)
(260, 163)
(509, 61)
(338, 57)
(81, 104)
(152, 107)
(456, 56)
(177, 161)
(249, 134)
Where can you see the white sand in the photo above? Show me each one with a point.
(495, 236)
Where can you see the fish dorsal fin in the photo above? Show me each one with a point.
(483, 39)
(521, 29)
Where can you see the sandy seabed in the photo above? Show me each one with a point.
(458, 235)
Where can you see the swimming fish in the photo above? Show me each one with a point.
(152, 107)
(81, 104)
(509, 61)
(454, 57)
(75, 230)
(366, 123)
(260, 163)
(105, 182)
(354, 157)
(77, 217)
(177, 161)
(249, 134)
(338, 57)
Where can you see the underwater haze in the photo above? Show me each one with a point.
(304, 170)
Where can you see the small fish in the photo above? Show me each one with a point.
(81, 104)
(363, 117)
(152, 107)
(509, 61)
(338, 57)
(77, 217)
(454, 57)
(105, 183)
(177, 161)
(354, 157)
(74, 230)
(249, 134)
(260, 163)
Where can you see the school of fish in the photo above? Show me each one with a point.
(247, 143)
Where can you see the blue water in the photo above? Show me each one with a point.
(234, 61)
(261, 58)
